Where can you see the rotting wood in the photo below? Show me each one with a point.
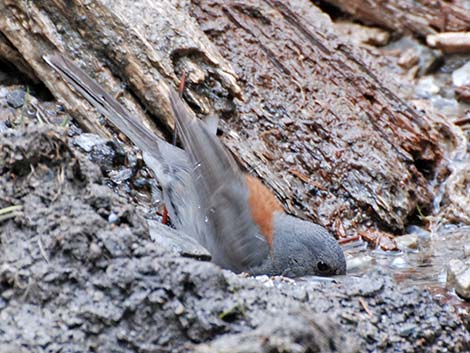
(9, 54)
(450, 42)
(146, 44)
(369, 156)
(419, 17)
(319, 108)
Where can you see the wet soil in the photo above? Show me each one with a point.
(79, 272)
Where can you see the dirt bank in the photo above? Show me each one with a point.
(79, 272)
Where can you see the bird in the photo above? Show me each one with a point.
(229, 212)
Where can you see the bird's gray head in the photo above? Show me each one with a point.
(303, 248)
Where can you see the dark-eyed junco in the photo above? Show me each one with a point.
(232, 214)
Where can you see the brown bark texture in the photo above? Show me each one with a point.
(418, 17)
(147, 43)
(306, 114)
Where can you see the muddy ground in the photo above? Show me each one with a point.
(80, 273)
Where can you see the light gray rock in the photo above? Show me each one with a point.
(176, 242)
(407, 242)
(458, 277)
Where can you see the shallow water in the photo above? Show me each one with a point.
(424, 267)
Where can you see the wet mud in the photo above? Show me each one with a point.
(79, 272)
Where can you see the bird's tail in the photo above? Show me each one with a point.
(105, 103)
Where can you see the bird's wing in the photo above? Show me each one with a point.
(206, 196)
(169, 163)
(235, 240)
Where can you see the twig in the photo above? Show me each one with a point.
(366, 307)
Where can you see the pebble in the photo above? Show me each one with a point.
(399, 262)
(16, 98)
(466, 250)
(357, 263)
(461, 76)
(120, 176)
(407, 242)
(407, 330)
(87, 141)
(458, 277)
(176, 242)
(426, 87)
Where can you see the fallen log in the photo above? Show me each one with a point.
(328, 125)
(307, 115)
(147, 44)
(419, 18)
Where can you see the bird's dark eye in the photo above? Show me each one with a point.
(322, 267)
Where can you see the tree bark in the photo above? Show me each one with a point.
(146, 43)
(307, 113)
(418, 17)
(346, 149)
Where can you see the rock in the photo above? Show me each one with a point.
(413, 53)
(458, 277)
(407, 330)
(363, 286)
(178, 243)
(16, 98)
(466, 250)
(121, 175)
(426, 87)
(462, 93)
(407, 242)
(399, 262)
(408, 59)
(461, 76)
(358, 263)
(87, 141)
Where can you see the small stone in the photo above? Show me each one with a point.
(461, 76)
(458, 277)
(113, 218)
(462, 93)
(363, 286)
(8, 294)
(407, 241)
(466, 250)
(426, 87)
(407, 330)
(158, 296)
(179, 310)
(120, 176)
(358, 263)
(399, 262)
(94, 251)
(16, 98)
(87, 141)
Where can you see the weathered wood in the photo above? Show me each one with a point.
(9, 54)
(147, 44)
(419, 17)
(450, 42)
(345, 147)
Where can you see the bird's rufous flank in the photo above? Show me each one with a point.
(232, 214)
